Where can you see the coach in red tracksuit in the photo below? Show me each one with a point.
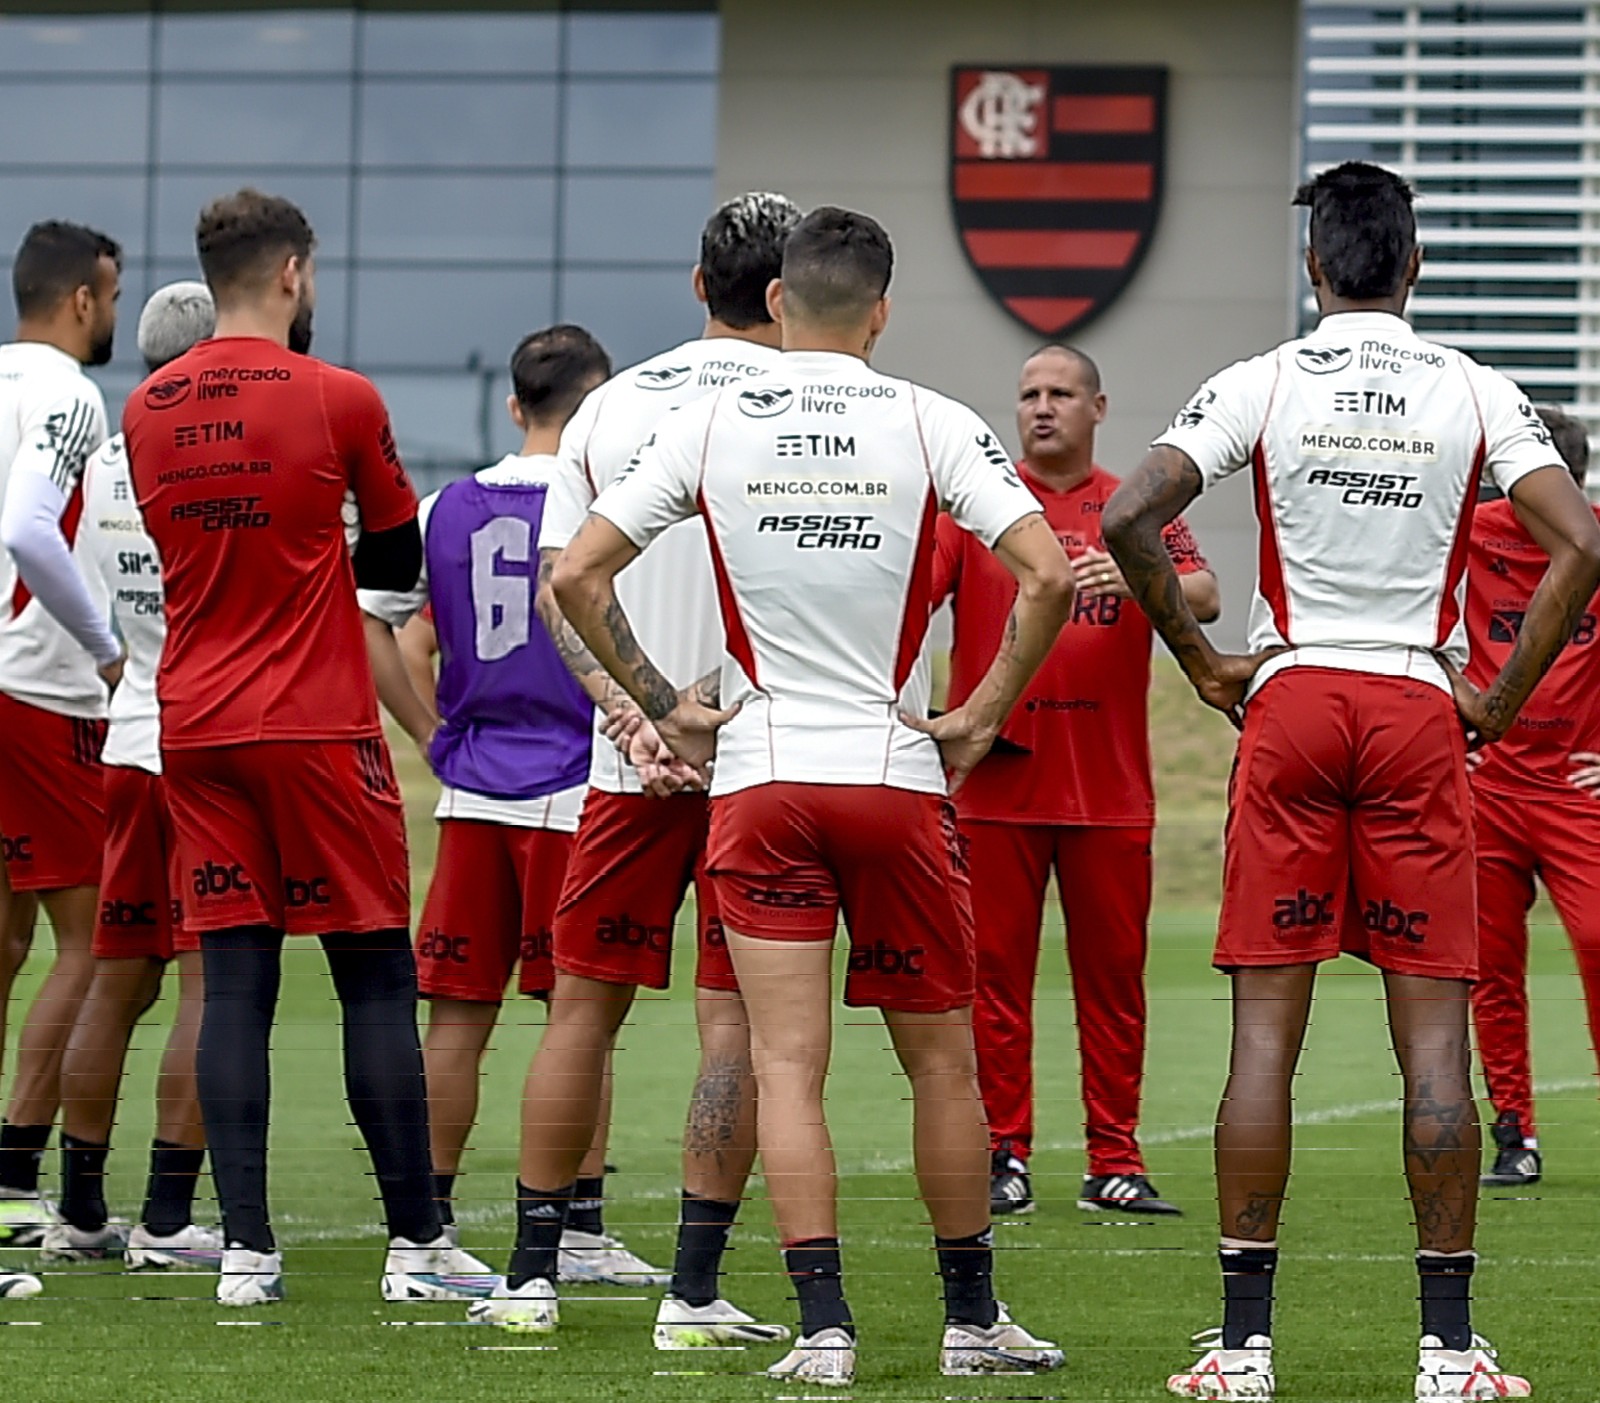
(1068, 787)
(1534, 812)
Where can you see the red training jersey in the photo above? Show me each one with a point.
(1084, 719)
(243, 454)
(1504, 568)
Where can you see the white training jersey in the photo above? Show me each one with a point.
(1366, 444)
(819, 486)
(116, 553)
(669, 594)
(559, 811)
(52, 417)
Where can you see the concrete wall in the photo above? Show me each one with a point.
(846, 102)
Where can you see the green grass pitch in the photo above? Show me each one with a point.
(1122, 1298)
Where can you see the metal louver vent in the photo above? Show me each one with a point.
(1493, 112)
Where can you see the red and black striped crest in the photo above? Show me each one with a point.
(1055, 179)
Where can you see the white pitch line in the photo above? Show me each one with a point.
(302, 1230)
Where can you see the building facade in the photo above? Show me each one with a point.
(475, 172)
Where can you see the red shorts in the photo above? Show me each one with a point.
(1350, 828)
(52, 810)
(303, 836)
(492, 902)
(786, 857)
(141, 907)
(631, 868)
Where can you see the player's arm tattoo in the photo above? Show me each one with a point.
(1554, 613)
(707, 690)
(1150, 497)
(655, 695)
(603, 690)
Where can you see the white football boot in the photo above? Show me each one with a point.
(1226, 1373)
(598, 1259)
(530, 1309)
(191, 1248)
(1470, 1373)
(1004, 1348)
(422, 1272)
(827, 1358)
(250, 1278)
(719, 1325)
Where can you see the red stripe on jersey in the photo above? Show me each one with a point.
(1121, 112)
(1055, 180)
(71, 516)
(738, 640)
(1450, 604)
(1271, 565)
(1052, 248)
(919, 597)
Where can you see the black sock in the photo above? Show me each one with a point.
(541, 1215)
(587, 1211)
(444, 1193)
(22, 1150)
(818, 1277)
(966, 1266)
(1447, 1297)
(703, 1228)
(83, 1183)
(169, 1192)
(1247, 1274)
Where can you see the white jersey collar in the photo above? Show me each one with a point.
(1339, 324)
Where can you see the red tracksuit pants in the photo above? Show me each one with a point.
(1104, 876)
(1557, 840)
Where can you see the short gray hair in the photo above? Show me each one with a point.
(175, 317)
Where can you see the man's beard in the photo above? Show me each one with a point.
(100, 350)
(300, 330)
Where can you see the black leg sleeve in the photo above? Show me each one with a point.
(375, 977)
(242, 973)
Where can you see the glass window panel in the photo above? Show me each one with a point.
(459, 43)
(635, 218)
(634, 313)
(623, 123)
(457, 217)
(445, 316)
(254, 123)
(114, 204)
(74, 124)
(325, 200)
(74, 43)
(642, 43)
(457, 124)
(258, 41)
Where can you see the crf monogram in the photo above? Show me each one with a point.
(1001, 114)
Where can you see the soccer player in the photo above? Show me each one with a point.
(1350, 791)
(284, 803)
(140, 926)
(1070, 790)
(819, 485)
(57, 657)
(1532, 820)
(512, 754)
(636, 855)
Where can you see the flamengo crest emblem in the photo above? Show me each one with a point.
(1055, 180)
